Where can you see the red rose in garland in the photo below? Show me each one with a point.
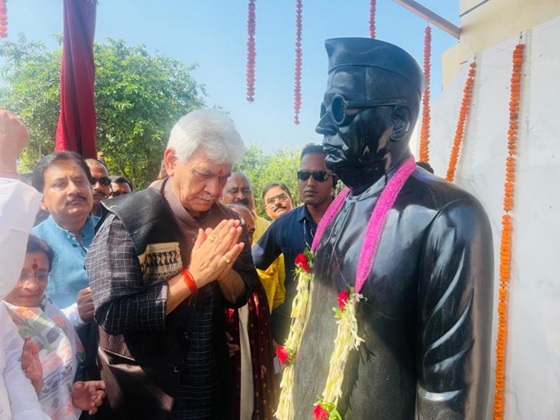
(283, 355)
(319, 413)
(302, 262)
(342, 299)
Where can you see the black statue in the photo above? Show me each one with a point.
(426, 319)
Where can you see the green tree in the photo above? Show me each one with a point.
(138, 96)
(31, 77)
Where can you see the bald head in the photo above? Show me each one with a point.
(238, 191)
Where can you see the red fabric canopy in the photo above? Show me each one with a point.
(76, 130)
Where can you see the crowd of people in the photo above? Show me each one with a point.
(173, 301)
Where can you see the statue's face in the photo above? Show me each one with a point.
(357, 129)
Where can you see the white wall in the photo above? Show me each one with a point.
(533, 354)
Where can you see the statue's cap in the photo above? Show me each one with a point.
(367, 52)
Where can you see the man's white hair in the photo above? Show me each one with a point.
(210, 129)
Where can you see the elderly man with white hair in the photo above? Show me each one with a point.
(163, 267)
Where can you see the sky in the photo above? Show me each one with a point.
(213, 35)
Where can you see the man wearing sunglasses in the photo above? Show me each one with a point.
(101, 183)
(291, 233)
(425, 272)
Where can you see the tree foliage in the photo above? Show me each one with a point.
(31, 77)
(138, 96)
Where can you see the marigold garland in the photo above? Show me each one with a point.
(298, 61)
(461, 123)
(3, 19)
(372, 12)
(506, 236)
(424, 154)
(251, 49)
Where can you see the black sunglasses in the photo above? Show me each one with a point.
(339, 106)
(105, 181)
(319, 176)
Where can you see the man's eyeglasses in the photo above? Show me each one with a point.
(281, 198)
(339, 106)
(104, 180)
(319, 176)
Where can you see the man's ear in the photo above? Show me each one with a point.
(169, 159)
(43, 205)
(402, 122)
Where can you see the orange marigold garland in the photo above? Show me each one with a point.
(461, 122)
(298, 62)
(507, 228)
(372, 11)
(3, 19)
(424, 155)
(251, 50)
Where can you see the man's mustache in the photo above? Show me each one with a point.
(279, 206)
(74, 197)
(243, 201)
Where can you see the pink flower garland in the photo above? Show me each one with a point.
(378, 219)
(347, 338)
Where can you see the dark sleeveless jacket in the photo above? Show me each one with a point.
(144, 369)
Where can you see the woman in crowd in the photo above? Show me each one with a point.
(60, 350)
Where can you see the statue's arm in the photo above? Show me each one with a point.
(455, 313)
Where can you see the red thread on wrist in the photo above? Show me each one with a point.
(189, 280)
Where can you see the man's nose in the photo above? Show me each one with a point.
(214, 187)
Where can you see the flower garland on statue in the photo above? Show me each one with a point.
(251, 50)
(460, 129)
(347, 337)
(3, 19)
(298, 63)
(300, 311)
(506, 236)
(424, 153)
(372, 11)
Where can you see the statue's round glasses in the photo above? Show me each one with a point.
(339, 106)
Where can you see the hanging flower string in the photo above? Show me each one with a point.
(251, 50)
(298, 61)
(3, 19)
(424, 153)
(372, 11)
(461, 123)
(506, 237)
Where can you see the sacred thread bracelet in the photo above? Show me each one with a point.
(189, 280)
